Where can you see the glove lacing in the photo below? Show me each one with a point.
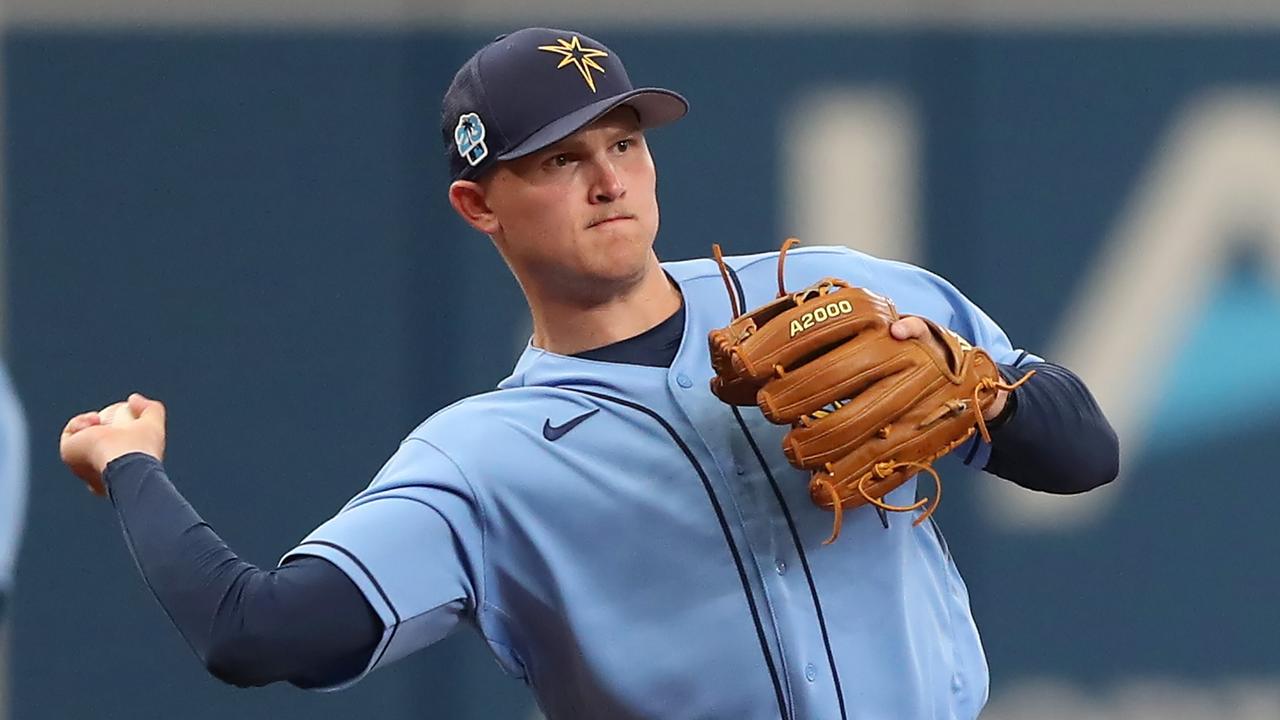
(883, 470)
(991, 384)
(728, 284)
(880, 470)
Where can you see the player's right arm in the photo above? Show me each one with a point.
(309, 621)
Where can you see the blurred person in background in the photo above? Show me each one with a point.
(13, 502)
(13, 484)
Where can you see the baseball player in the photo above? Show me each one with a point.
(625, 542)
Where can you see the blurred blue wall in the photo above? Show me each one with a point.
(252, 227)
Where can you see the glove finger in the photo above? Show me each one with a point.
(835, 377)
(734, 391)
(932, 417)
(901, 447)
(859, 428)
(821, 322)
(847, 488)
(723, 341)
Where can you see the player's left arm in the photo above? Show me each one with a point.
(1051, 435)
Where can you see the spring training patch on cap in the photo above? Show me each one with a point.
(469, 137)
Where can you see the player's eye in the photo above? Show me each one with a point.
(625, 144)
(561, 160)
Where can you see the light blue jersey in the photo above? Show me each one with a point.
(634, 548)
(13, 478)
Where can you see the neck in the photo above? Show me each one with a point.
(567, 325)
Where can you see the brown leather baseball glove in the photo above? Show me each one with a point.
(867, 411)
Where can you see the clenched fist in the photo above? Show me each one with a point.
(91, 440)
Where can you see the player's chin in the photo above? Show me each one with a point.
(619, 260)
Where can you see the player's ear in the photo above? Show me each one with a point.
(469, 201)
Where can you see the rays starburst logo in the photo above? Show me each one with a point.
(574, 54)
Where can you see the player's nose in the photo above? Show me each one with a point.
(608, 185)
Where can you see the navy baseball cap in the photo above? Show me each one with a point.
(533, 88)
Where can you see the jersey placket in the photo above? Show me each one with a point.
(762, 533)
(778, 553)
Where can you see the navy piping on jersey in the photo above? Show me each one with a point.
(737, 286)
(973, 450)
(395, 615)
(937, 532)
(724, 527)
(791, 525)
(804, 560)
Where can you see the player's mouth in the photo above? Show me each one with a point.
(611, 219)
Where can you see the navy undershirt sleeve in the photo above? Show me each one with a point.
(1053, 437)
(305, 622)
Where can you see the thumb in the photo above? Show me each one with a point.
(143, 407)
(910, 326)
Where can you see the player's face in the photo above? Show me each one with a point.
(582, 213)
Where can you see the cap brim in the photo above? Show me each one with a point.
(655, 106)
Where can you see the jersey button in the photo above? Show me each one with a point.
(740, 470)
(810, 672)
(782, 567)
(683, 381)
